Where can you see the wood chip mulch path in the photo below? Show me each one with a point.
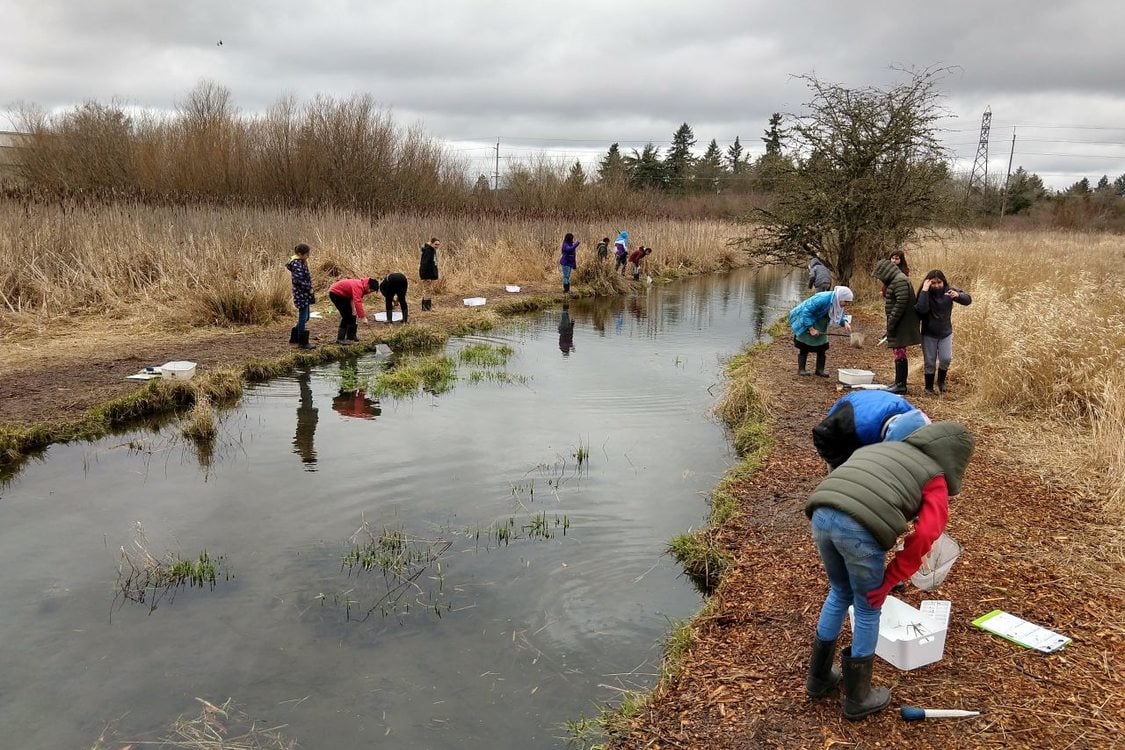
(1037, 552)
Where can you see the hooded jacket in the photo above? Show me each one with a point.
(302, 282)
(903, 327)
(819, 277)
(936, 310)
(854, 421)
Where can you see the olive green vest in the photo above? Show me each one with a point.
(880, 486)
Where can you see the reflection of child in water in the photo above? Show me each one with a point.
(356, 404)
(306, 424)
(566, 332)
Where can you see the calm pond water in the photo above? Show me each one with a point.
(476, 641)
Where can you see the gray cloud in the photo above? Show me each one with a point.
(574, 76)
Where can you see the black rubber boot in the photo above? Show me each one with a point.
(802, 363)
(823, 676)
(899, 386)
(304, 341)
(342, 334)
(820, 357)
(929, 384)
(941, 380)
(425, 305)
(566, 288)
(294, 336)
(405, 312)
(860, 699)
(353, 331)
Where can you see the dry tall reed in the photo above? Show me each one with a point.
(1042, 340)
(207, 265)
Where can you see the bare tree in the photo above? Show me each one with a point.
(866, 173)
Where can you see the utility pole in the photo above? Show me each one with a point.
(496, 174)
(1008, 177)
(980, 164)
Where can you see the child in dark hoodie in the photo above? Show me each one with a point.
(935, 307)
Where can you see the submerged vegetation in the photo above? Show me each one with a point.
(434, 374)
(485, 355)
(217, 727)
(144, 578)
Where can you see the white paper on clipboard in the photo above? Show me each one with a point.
(1021, 631)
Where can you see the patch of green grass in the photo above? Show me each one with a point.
(485, 355)
(700, 557)
(414, 338)
(520, 305)
(201, 422)
(496, 376)
(478, 324)
(433, 373)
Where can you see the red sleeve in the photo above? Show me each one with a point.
(357, 297)
(932, 517)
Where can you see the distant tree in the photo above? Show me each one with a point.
(1103, 185)
(576, 178)
(869, 172)
(1119, 185)
(646, 170)
(709, 169)
(735, 163)
(612, 168)
(1082, 187)
(678, 163)
(774, 137)
(1025, 189)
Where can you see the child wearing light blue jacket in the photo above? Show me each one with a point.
(810, 320)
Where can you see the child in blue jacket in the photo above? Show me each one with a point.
(809, 321)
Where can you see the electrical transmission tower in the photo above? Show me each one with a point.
(979, 175)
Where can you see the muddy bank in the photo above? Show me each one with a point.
(1029, 550)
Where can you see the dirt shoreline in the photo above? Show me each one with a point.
(1029, 549)
(52, 376)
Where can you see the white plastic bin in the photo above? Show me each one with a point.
(512, 288)
(474, 301)
(855, 377)
(179, 370)
(936, 564)
(908, 637)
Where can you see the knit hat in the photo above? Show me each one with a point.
(900, 426)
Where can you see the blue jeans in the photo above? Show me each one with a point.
(302, 318)
(854, 562)
(566, 273)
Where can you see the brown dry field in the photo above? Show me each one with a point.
(64, 370)
(1050, 556)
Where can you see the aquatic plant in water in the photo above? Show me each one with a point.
(144, 578)
(485, 355)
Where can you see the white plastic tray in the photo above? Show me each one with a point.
(474, 301)
(381, 317)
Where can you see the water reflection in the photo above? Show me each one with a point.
(566, 332)
(307, 416)
(356, 404)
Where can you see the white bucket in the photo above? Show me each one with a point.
(179, 370)
(909, 638)
(937, 563)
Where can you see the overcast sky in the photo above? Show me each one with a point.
(569, 78)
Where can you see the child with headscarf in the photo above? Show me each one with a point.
(809, 322)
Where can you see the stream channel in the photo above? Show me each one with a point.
(523, 590)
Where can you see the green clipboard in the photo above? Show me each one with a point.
(1018, 630)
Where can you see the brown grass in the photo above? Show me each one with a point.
(1041, 346)
(205, 265)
